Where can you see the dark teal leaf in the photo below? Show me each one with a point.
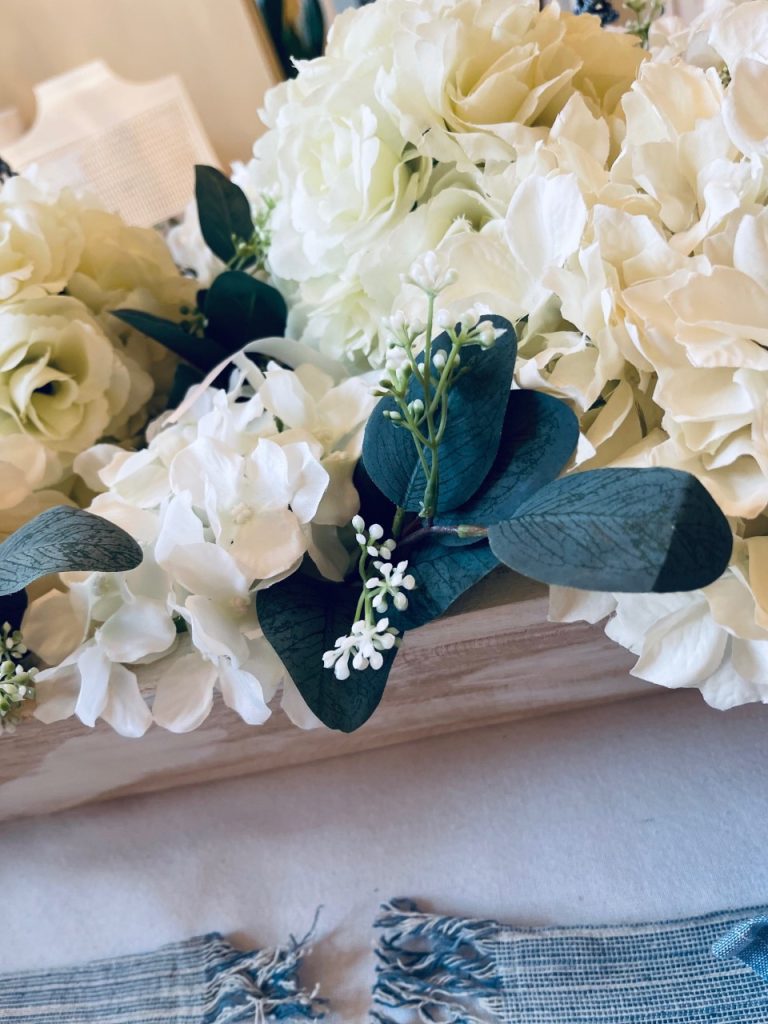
(632, 530)
(476, 408)
(272, 13)
(203, 353)
(223, 210)
(442, 575)
(184, 378)
(240, 309)
(375, 507)
(64, 539)
(537, 440)
(12, 608)
(302, 618)
(313, 27)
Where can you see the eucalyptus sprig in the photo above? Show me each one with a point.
(238, 307)
(467, 469)
(425, 417)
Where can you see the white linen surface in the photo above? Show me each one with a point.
(643, 810)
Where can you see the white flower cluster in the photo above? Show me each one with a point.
(228, 497)
(70, 373)
(368, 637)
(375, 149)
(17, 683)
(612, 203)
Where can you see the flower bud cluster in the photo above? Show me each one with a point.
(17, 684)
(430, 274)
(369, 638)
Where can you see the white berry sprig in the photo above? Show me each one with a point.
(370, 635)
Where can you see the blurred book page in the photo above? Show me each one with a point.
(133, 145)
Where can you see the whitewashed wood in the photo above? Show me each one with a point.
(495, 658)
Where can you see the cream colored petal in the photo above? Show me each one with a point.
(126, 710)
(184, 694)
(683, 649)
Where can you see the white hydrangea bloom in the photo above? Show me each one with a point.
(714, 639)
(225, 500)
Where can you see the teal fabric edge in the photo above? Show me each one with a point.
(747, 942)
(445, 969)
(260, 984)
(200, 980)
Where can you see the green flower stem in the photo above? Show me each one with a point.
(364, 601)
(397, 522)
(430, 494)
(424, 532)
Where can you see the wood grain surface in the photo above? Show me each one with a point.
(495, 658)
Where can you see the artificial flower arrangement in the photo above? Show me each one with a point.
(491, 291)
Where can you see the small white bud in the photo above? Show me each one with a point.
(401, 602)
(376, 531)
(486, 334)
(358, 523)
(443, 319)
(439, 359)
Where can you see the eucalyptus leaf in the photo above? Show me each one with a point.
(313, 28)
(630, 530)
(203, 353)
(184, 378)
(272, 13)
(375, 507)
(64, 539)
(302, 618)
(476, 408)
(12, 608)
(223, 210)
(538, 438)
(239, 309)
(442, 575)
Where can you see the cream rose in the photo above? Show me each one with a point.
(128, 267)
(342, 315)
(41, 240)
(473, 80)
(62, 381)
(125, 267)
(343, 173)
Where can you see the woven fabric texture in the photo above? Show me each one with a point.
(696, 971)
(201, 981)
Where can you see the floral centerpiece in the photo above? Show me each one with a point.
(491, 291)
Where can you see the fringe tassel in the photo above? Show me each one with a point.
(439, 968)
(263, 986)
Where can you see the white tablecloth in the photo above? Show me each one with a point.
(644, 810)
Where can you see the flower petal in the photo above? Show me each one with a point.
(216, 632)
(126, 711)
(184, 694)
(57, 690)
(243, 693)
(137, 629)
(94, 684)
